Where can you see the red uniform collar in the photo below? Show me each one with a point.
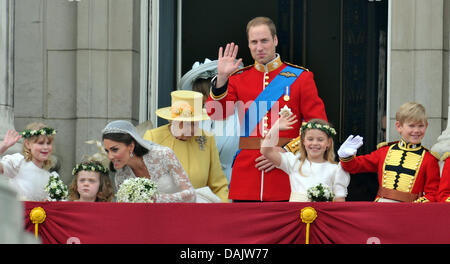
(403, 144)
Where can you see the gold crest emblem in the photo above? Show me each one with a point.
(288, 74)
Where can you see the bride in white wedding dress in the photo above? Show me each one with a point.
(131, 156)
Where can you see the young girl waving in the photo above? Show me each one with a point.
(315, 164)
(28, 171)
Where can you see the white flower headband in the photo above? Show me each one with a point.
(314, 125)
(89, 166)
(46, 131)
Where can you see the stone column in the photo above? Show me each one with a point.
(443, 141)
(416, 61)
(6, 71)
(107, 67)
(11, 223)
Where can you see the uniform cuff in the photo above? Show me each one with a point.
(218, 93)
(347, 159)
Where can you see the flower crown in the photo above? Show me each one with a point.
(314, 125)
(90, 166)
(46, 131)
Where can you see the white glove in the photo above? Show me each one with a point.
(350, 146)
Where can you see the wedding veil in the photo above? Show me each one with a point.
(122, 126)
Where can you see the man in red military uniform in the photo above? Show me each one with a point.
(444, 185)
(262, 92)
(407, 172)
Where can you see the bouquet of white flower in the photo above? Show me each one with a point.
(56, 189)
(137, 190)
(320, 193)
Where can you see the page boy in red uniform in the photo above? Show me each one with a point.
(407, 171)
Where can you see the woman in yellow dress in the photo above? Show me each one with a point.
(195, 148)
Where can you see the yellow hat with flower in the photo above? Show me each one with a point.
(186, 106)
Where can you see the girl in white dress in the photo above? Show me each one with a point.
(315, 163)
(28, 171)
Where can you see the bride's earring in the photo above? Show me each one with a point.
(131, 154)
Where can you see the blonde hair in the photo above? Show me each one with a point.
(26, 152)
(328, 155)
(411, 112)
(105, 190)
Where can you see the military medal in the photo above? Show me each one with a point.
(285, 111)
(286, 94)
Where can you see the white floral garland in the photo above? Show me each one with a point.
(313, 125)
(46, 131)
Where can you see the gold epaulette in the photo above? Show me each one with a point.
(445, 156)
(239, 71)
(296, 66)
(293, 145)
(435, 154)
(447, 200)
(383, 144)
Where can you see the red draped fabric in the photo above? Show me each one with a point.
(241, 223)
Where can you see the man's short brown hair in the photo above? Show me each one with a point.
(262, 21)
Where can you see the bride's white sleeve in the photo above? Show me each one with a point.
(180, 178)
(11, 164)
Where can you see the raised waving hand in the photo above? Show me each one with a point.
(10, 139)
(286, 122)
(227, 63)
(350, 146)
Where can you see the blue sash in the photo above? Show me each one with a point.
(267, 98)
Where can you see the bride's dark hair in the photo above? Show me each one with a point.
(127, 140)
